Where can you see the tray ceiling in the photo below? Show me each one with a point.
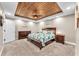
(37, 10)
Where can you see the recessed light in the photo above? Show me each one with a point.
(0, 12)
(8, 13)
(19, 21)
(68, 8)
(59, 20)
(31, 23)
(42, 22)
(57, 16)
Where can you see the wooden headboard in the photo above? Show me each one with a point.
(50, 29)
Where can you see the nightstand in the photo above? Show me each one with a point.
(60, 38)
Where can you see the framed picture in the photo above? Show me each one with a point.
(1, 20)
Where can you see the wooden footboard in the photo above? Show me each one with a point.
(39, 44)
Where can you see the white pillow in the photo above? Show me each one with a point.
(51, 31)
(44, 31)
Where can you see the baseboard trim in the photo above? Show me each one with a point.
(70, 43)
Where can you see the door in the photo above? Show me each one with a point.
(77, 41)
(9, 31)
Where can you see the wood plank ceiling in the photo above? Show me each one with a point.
(37, 10)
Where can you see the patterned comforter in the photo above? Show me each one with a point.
(41, 36)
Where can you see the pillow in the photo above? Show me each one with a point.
(44, 31)
(51, 31)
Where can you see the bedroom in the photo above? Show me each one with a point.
(38, 19)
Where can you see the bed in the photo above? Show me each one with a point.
(43, 38)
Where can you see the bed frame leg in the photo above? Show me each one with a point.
(41, 47)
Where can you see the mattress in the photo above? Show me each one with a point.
(41, 37)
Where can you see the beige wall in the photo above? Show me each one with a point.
(25, 26)
(65, 25)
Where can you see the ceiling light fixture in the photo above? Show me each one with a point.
(35, 16)
(35, 13)
(42, 23)
(31, 23)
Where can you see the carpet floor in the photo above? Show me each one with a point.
(26, 48)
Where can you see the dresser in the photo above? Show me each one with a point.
(60, 38)
(23, 34)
